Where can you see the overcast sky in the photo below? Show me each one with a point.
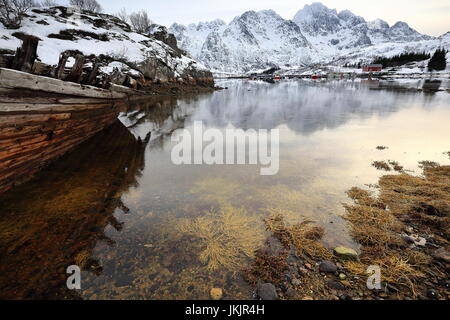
(427, 16)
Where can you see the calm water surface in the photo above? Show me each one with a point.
(143, 228)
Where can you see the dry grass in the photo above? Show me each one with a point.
(396, 166)
(395, 270)
(303, 236)
(388, 165)
(428, 164)
(81, 259)
(377, 223)
(381, 165)
(270, 269)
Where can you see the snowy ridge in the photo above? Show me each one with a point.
(316, 34)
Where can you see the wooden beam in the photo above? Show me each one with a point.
(20, 80)
(27, 54)
(77, 70)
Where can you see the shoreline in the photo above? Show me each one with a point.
(403, 233)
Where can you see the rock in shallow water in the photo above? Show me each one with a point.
(328, 267)
(266, 291)
(346, 253)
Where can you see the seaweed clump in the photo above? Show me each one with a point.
(294, 245)
(303, 236)
(387, 165)
(229, 237)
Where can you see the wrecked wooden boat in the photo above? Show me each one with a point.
(42, 118)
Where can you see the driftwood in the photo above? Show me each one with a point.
(77, 69)
(92, 76)
(27, 54)
(59, 71)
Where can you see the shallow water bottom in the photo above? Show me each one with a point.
(141, 227)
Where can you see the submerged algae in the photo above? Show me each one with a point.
(229, 237)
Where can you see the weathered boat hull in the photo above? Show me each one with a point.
(39, 125)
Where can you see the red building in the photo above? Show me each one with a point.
(372, 67)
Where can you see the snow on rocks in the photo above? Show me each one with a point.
(61, 29)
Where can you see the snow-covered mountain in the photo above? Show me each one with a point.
(254, 40)
(336, 32)
(316, 34)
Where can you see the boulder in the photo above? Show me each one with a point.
(160, 33)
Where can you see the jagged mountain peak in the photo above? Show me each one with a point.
(378, 24)
(317, 8)
(211, 24)
(252, 40)
(258, 39)
(313, 11)
(317, 18)
(400, 24)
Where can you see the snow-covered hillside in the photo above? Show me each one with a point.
(317, 34)
(389, 49)
(61, 29)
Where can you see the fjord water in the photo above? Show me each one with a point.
(143, 228)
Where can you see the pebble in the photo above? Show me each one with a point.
(335, 285)
(308, 266)
(346, 253)
(302, 270)
(216, 293)
(432, 294)
(342, 276)
(266, 291)
(327, 267)
(307, 298)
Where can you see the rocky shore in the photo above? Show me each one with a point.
(403, 231)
